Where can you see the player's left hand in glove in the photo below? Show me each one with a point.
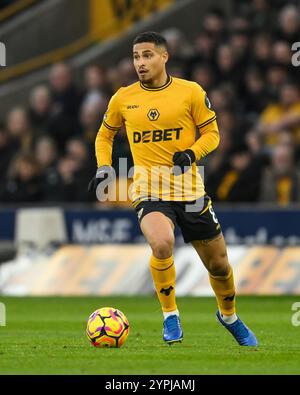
(183, 160)
(103, 173)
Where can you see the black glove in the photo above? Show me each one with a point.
(183, 159)
(103, 173)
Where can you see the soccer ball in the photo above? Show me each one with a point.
(107, 327)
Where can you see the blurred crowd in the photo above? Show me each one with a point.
(6, 3)
(244, 64)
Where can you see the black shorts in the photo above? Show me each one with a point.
(196, 219)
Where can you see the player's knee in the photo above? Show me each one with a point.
(163, 248)
(218, 265)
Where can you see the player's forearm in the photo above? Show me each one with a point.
(207, 142)
(103, 147)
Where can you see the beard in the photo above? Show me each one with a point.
(145, 78)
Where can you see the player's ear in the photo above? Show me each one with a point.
(165, 56)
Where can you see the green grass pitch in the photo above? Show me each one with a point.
(47, 336)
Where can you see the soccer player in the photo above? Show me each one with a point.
(161, 114)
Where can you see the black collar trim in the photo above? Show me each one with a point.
(159, 88)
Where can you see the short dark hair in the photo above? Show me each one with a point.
(150, 37)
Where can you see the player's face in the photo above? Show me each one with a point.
(149, 61)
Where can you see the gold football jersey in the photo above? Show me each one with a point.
(159, 122)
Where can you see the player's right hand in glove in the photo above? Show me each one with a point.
(183, 160)
(103, 173)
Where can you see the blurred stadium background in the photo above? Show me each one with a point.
(64, 59)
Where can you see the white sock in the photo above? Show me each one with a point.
(168, 313)
(229, 319)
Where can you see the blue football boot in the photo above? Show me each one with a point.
(172, 329)
(243, 335)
